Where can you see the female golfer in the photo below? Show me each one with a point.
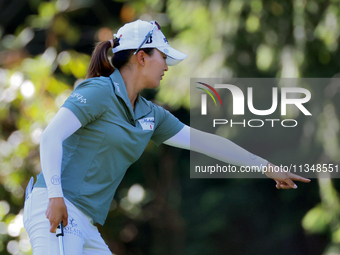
(102, 128)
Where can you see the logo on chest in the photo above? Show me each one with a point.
(147, 123)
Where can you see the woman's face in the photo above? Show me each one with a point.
(154, 68)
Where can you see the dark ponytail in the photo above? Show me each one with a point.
(100, 65)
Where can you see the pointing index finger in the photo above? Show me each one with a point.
(298, 178)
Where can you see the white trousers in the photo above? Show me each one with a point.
(80, 235)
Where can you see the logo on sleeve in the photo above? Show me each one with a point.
(79, 97)
(252, 156)
(55, 180)
(147, 123)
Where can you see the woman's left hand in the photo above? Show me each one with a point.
(284, 180)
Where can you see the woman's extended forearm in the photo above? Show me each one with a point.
(223, 149)
(215, 146)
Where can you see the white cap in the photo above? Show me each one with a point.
(132, 34)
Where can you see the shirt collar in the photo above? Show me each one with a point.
(142, 108)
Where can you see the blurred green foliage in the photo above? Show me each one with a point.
(45, 49)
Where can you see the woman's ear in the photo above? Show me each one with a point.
(141, 57)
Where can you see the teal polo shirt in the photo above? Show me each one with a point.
(112, 137)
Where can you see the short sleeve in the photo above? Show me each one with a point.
(89, 100)
(166, 125)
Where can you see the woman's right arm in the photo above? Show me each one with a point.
(223, 149)
(63, 124)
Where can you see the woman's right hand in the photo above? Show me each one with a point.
(56, 212)
(284, 179)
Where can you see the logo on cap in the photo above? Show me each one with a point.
(149, 40)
